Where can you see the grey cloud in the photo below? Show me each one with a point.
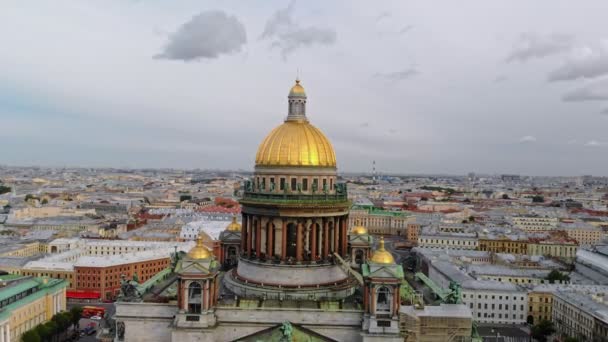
(383, 15)
(398, 75)
(591, 62)
(604, 112)
(594, 143)
(532, 45)
(596, 91)
(405, 29)
(280, 21)
(364, 124)
(207, 35)
(500, 78)
(288, 36)
(527, 139)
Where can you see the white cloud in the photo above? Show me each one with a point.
(207, 35)
(594, 143)
(288, 36)
(586, 62)
(398, 75)
(595, 91)
(532, 45)
(527, 139)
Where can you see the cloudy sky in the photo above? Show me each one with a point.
(419, 86)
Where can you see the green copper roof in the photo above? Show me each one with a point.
(16, 287)
(379, 211)
(51, 286)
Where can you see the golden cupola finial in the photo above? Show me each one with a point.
(234, 226)
(199, 251)
(297, 89)
(381, 255)
(359, 229)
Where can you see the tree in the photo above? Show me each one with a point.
(571, 339)
(62, 319)
(44, 201)
(43, 332)
(76, 315)
(52, 329)
(542, 330)
(556, 275)
(538, 199)
(4, 189)
(505, 196)
(30, 336)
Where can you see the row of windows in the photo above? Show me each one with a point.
(261, 182)
(493, 306)
(492, 315)
(464, 295)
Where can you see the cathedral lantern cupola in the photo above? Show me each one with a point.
(297, 103)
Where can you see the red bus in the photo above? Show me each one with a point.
(90, 311)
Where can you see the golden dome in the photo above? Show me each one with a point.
(296, 143)
(297, 89)
(359, 229)
(234, 226)
(382, 256)
(199, 251)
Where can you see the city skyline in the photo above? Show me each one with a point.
(141, 85)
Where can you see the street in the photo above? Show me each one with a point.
(84, 322)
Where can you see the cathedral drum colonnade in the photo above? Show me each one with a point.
(294, 214)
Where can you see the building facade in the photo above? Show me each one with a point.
(451, 241)
(503, 244)
(26, 302)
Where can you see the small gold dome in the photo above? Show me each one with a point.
(296, 143)
(199, 251)
(234, 226)
(297, 89)
(359, 229)
(382, 256)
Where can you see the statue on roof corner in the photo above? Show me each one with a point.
(128, 290)
(287, 330)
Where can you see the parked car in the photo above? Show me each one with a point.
(96, 318)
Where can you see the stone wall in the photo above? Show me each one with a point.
(290, 275)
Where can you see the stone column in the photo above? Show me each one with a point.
(249, 233)
(205, 303)
(269, 240)
(325, 239)
(299, 242)
(366, 298)
(2, 333)
(258, 238)
(396, 301)
(373, 301)
(313, 250)
(244, 233)
(344, 237)
(336, 235)
(284, 240)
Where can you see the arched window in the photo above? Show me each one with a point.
(194, 297)
(383, 302)
(359, 256)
